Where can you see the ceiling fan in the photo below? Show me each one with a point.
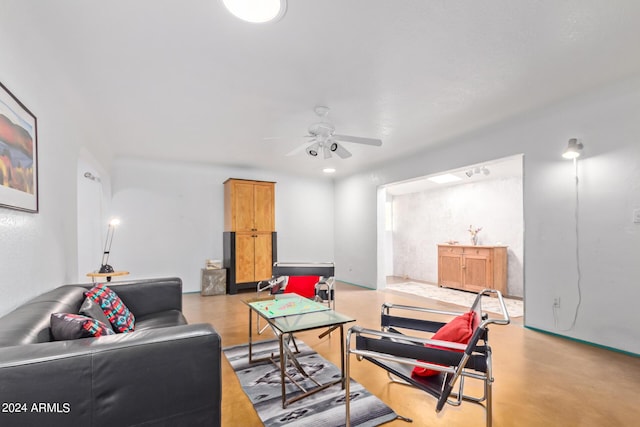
(324, 139)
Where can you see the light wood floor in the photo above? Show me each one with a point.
(540, 380)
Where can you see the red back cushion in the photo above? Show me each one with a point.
(458, 330)
(302, 285)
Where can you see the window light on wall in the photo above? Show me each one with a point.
(257, 11)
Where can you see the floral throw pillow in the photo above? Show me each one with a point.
(118, 314)
(67, 326)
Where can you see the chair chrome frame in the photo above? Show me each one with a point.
(324, 289)
(397, 351)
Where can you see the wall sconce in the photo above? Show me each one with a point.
(105, 267)
(92, 177)
(574, 147)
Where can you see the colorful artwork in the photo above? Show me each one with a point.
(18, 154)
(287, 306)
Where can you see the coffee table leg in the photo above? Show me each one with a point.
(342, 356)
(283, 366)
(250, 336)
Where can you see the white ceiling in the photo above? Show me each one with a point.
(185, 80)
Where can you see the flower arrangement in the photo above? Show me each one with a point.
(474, 234)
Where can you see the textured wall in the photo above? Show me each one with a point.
(39, 251)
(423, 220)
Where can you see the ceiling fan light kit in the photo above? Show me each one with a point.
(312, 150)
(324, 138)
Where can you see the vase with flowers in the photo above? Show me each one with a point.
(474, 234)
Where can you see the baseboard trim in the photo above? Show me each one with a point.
(616, 350)
(355, 284)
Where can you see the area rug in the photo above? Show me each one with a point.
(261, 383)
(514, 307)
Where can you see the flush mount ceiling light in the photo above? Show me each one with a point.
(257, 11)
(574, 147)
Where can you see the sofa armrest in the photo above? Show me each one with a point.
(156, 376)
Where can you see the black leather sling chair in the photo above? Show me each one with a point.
(398, 350)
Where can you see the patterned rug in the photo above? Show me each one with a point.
(261, 383)
(514, 307)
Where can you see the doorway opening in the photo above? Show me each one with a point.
(448, 208)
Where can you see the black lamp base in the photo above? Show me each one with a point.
(106, 268)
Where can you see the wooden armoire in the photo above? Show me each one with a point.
(249, 238)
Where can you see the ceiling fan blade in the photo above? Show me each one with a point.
(299, 149)
(342, 152)
(359, 140)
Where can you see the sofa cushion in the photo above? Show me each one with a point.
(161, 319)
(116, 311)
(68, 326)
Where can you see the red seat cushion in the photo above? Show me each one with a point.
(458, 330)
(302, 285)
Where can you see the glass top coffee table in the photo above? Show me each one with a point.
(287, 314)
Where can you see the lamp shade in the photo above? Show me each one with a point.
(105, 267)
(574, 147)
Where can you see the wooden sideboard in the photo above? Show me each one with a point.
(473, 268)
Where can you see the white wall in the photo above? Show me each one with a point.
(356, 205)
(94, 206)
(172, 217)
(606, 120)
(38, 251)
(428, 218)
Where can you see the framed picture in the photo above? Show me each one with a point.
(18, 154)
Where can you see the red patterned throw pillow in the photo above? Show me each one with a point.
(67, 326)
(458, 330)
(118, 314)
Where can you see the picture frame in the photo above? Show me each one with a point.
(18, 154)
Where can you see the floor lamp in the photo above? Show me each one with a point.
(105, 267)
